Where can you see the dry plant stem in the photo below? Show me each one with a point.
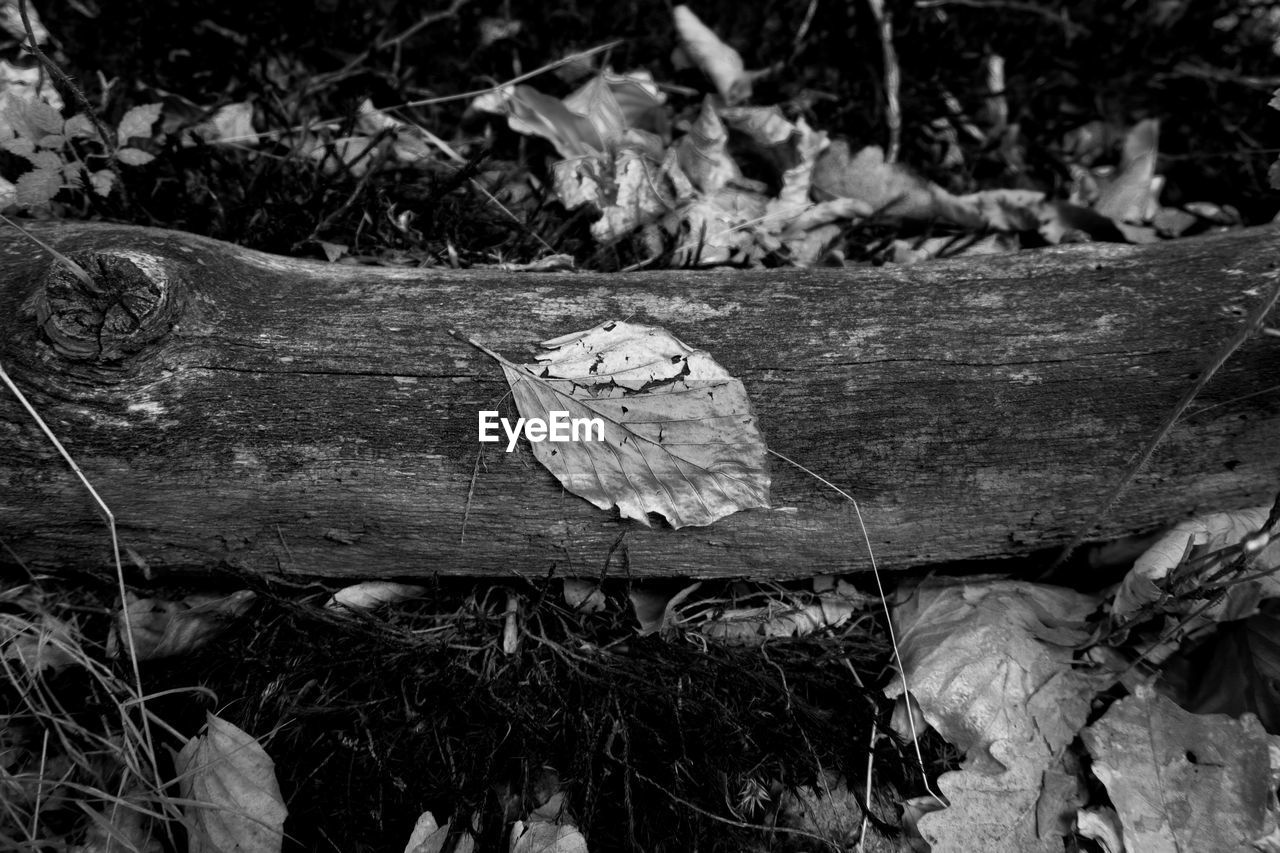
(67, 83)
(893, 639)
(427, 20)
(1251, 326)
(785, 830)
(443, 99)
(115, 550)
(892, 79)
(74, 268)
(1071, 28)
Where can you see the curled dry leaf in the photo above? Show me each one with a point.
(430, 837)
(584, 595)
(11, 22)
(1102, 826)
(1131, 195)
(232, 124)
(788, 616)
(542, 837)
(409, 144)
(680, 438)
(656, 610)
(235, 802)
(720, 62)
(167, 628)
(29, 84)
(1192, 542)
(373, 594)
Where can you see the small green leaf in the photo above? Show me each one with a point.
(38, 187)
(79, 127)
(138, 122)
(51, 140)
(103, 180)
(134, 157)
(1275, 101)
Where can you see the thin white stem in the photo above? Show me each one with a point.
(893, 639)
(115, 550)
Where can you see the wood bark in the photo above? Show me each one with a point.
(285, 416)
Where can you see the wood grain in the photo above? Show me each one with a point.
(285, 416)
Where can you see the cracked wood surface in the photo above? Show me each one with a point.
(286, 416)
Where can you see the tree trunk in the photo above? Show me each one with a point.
(286, 416)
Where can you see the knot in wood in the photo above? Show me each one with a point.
(126, 305)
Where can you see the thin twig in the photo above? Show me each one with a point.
(893, 639)
(443, 99)
(427, 20)
(892, 79)
(115, 549)
(74, 268)
(1251, 326)
(1070, 27)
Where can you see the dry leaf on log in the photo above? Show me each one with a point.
(679, 436)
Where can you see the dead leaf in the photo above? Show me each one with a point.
(542, 837)
(786, 616)
(231, 124)
(584, 595)
(11, 22)
(29, 84)
(1193, 543)
(990, 663)
(408, 143)
(887, 187)
(1101, 825)
(231, 781)
(721, 63)
(680, 436)
(703, 152)
(1180, 781)
(373, 594)
(655, 610)
(997, 812)
(1030, 691)
(429, 837)
(1131, 195)
(634, 199)
(1235, 670)
(167, 628)
(40, 641)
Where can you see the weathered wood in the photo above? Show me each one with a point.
(287, 416)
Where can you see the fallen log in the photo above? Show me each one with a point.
(286, 416)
